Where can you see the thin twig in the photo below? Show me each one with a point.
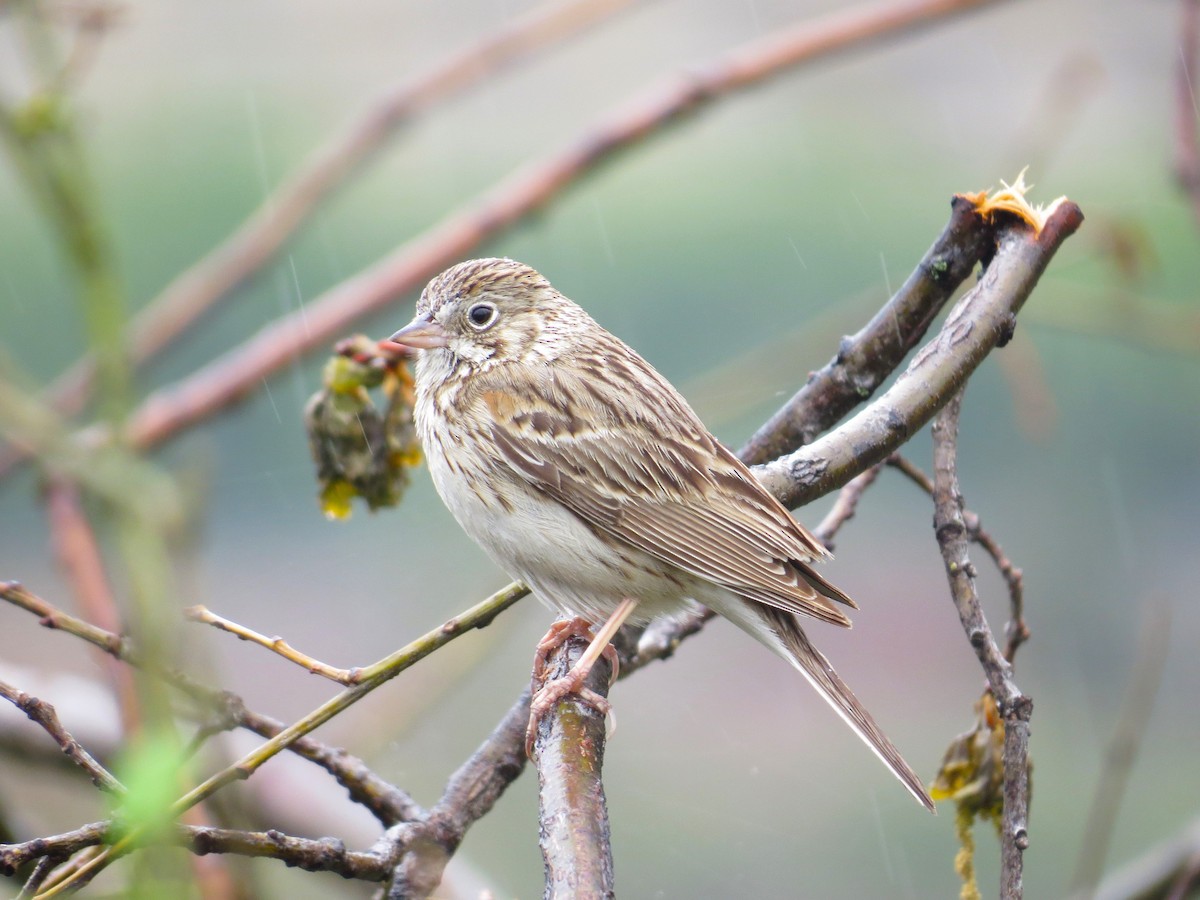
(41, 872)
(43, 714)
(845, 506)
(275, 644)
(386, 802)
(1016, 631)
(373, 676)
(1014, 707)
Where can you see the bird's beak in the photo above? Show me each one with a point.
(422, 333)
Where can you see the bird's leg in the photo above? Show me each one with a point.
(573, 681)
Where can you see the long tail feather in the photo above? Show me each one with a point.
(816, 668)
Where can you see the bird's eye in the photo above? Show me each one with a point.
(481, 315)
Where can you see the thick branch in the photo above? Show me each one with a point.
(867, 358)
(572, 812)
(983, 319)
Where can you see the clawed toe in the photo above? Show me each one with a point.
(554, 691)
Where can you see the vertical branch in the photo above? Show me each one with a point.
(41, 137)
(1015, 708)
(573, 813)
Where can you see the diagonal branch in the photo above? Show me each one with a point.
(866, 359)
(256, 241)
(43, 714)
(241, 370)
(1016, 631)
(982, 320)
(471, 792)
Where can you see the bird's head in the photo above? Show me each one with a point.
(490, 311)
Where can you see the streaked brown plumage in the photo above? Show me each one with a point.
(584, 473)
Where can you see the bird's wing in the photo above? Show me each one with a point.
(611, 440)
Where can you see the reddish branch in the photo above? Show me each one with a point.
(196, 291)
(572, 811)
(1187, 107)
(78, 552)
(241, 370)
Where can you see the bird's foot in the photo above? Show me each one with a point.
(548, 693)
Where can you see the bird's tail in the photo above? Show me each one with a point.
(816, 668)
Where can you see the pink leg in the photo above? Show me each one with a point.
(572, 682)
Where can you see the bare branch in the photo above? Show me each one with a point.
(845, 506)
(256, 241)
(275, 644)
(573, 814)
(372, 677)
(43, 714)
(323, 855)
(1015, 708)
(868, 357)
(983, 319)
(386, 802)
(241, 370)
(1016, 630)
(58, 846)
(470, 794)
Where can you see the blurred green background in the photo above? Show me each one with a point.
(732, 251)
